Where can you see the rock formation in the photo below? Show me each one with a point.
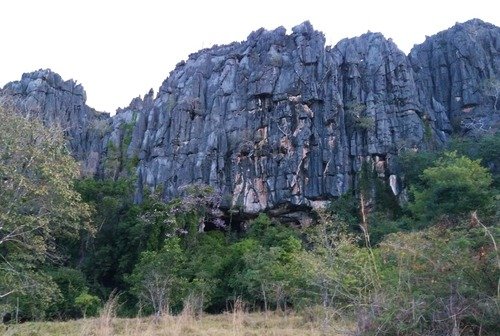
(45, 95)
(279, 122)
(458, 72)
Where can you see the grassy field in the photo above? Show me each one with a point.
(237, 324)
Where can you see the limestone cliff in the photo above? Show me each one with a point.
(46, 95)
(458, 71)
(281, 121)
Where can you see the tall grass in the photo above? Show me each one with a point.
(237, 322)
(104, 323)
(238, 316)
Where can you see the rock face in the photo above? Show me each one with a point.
(458, 71)
(45, 95)
(279, 121)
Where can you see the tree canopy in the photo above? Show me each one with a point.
(39, 203)
(454, 185)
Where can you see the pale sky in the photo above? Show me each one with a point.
(119, 49)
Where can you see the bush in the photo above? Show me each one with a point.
(71, 283)
(435, 282)
(87, 303)
(454, 186)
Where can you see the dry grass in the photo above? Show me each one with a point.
(237, 323)
(190, 322)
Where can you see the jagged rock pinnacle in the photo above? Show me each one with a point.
(279, 121)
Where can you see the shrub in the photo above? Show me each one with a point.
(454, 186)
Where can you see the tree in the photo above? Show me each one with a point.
(204, 269)
(127, 229)
(455, 185)
(71, 283)
(270, 273)
(157, 279)
(338, 271)
(486, 148)
(413, 163)
(87, 303)
(269, 267)
(115, 247)
(39, 203)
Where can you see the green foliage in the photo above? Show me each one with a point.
(346, 209)
(217, 270)
(39, 207)
(87, 303)
(381, 225)
(436, 281)
(365, 123)
(337, 272)
(269, 233)
(385, 215)
(485, 148)
(35, 291)
(126, 230)
(157, 278)
(112, 161)
(120, 236)
(205, 270)
(270, 272)
(454, 186)
(357, 118)
(413, 163)
(117, 161)
(70, 283)
(127, 129)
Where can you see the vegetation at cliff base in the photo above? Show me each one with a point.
(73, 248)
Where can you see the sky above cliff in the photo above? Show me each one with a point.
(119, 49)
